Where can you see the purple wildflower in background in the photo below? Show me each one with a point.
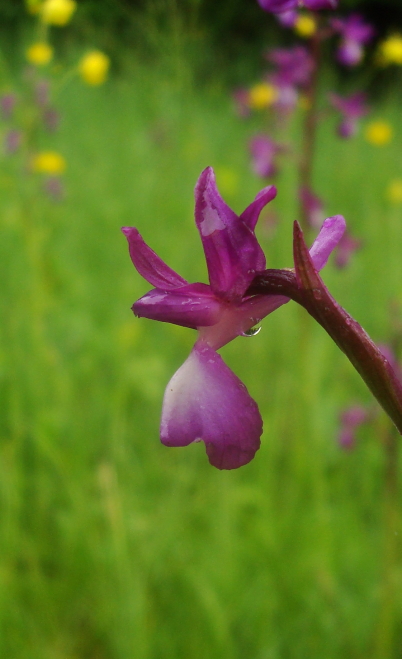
(292, 72)
(350, 421)
(12, 141)
(241, 102)
(355, 33)
(288, 18)
(263, 152)
(389, 354)
(356, 415)
(351, 108)
(51, 119)
(313, 207)
(205, 400)
(41, 93)
(54, 188)
(293, 66)
(282, 6)
(347, 246)
(7, 105)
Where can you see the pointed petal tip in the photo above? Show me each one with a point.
(337, 221)
(328, 238)
(129, 231)
(206, 177)
(267, 193)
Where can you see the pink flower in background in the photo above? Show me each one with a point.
(205, 400)
(51, 119)
(7, 105)
(288, 18)
(356, 415)
(350, 421)
(351, 108)
(389, 354)
(293, 66)
(241, 102)
(355, 33)
(313, 207)
(292, 70)
(281, 6)
(263, 152)
(42, 93)
(12, 141)
(347, 246)
(54, 188)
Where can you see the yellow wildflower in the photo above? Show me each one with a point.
(390, 50)
(305, 26)
(378, 132)
(57, 12)
(39, 53)
(48, 162)
(262, 96)
(394, 191)
(94, 67)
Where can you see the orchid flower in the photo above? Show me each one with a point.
(7, 105)
(350, 420)
(355, 33)
(293, 66)
(263, 152)
(347, 246)
(288, 18)
(313, 207)
(282, 6)
(205, 400)
(351, 108)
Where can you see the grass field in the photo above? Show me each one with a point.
(115, 547)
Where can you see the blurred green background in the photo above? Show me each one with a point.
(111, 545)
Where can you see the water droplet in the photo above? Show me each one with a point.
(253, 331)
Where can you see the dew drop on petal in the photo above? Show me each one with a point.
(253, 331)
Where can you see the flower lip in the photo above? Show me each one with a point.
(206, 400)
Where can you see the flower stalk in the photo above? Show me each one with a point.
(305, 286)
(311, 121)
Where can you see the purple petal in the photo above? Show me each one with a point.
(316, 5)
(330, 234)
(189, 306)
(263, 151)
(346, 248)
(251, 214)
(347, 128)
(288, 18)
(236, 320)
(148, 264)
(312, 206)
(206, 401)
(231, 249)
(350, 52)
(277, 6)
(354, 28)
